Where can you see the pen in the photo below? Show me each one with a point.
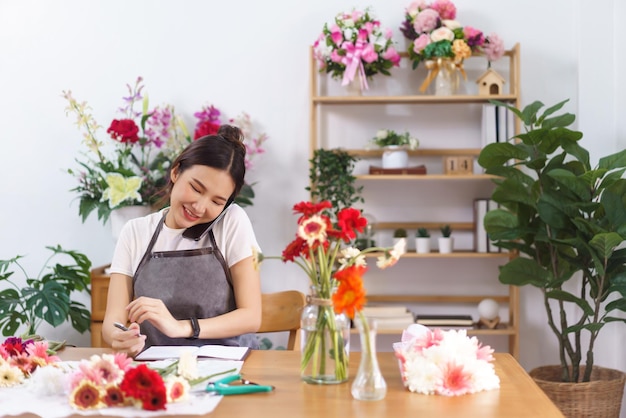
(120, 326)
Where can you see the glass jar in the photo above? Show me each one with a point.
(325, 343)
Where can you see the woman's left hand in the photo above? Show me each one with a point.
(154, 311)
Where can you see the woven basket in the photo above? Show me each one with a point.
(599, 398)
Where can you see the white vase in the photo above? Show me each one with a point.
(422, 245)
(120, 216)
(395, 156)
(446, 244)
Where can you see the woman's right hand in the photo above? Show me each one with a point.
(131, 342)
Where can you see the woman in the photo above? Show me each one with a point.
(185, 275)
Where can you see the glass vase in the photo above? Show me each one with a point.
(369, 383)
(325, 342)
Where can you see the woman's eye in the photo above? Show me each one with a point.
(195, 189)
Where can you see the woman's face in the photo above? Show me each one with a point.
(198, 195)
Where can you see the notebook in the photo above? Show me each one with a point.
(224, 352)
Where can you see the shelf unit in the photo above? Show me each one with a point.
(509, 327)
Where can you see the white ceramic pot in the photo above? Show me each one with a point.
(446, 244)
(422, 245)
(120, 216)
(395, 156)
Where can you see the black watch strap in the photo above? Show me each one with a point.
(195, 326)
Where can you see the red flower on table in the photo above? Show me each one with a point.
(124, 130)
(145, 385)
(350, 294)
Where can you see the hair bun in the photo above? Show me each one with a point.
(231, 133)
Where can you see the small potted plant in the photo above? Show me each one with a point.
(395, 147)
(398, 234)
(446, 241)
(422, 241)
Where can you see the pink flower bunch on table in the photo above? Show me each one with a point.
(355, 44)
(449, 363)
(20, 358)
(434, 33)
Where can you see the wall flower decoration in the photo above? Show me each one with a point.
(132, 167)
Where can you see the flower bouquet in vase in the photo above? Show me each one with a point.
(322, 248)
(354, 48)
(442, 43)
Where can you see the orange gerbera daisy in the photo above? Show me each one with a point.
(350, 294)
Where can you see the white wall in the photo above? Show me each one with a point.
(252, 56)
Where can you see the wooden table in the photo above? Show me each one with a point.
(517, 397)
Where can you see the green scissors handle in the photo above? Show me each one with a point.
(222, 386)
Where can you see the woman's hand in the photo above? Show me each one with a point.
(130, 342)
(154, 311)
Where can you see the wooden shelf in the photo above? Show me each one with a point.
(429, 100)
(454, 254)
(508, 295)
(420, 152)
(427, 177)
(502, 329)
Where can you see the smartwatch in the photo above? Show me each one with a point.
(195, 326)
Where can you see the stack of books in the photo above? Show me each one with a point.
(445, 321)
(390, 316)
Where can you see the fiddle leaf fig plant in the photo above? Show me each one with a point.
(567, 221)
(47, 296)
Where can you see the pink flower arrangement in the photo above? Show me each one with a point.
(449, 363)
(20, 358)
(355, 44)
(434, 33)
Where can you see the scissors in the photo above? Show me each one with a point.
(240, 386)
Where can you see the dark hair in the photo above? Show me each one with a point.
(223, 151)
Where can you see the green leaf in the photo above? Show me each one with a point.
(605, 243)
(529, 113)
(497, 154)
(51, 303)
(551, 110)
(523, 271)
(571, 182)
(613, 161)
(564, 296)
(501, 225)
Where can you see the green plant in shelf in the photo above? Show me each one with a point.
(446, 231)
(400, 233)
(331, 178)
(422, 233)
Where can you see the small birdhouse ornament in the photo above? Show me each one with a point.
(490, 83)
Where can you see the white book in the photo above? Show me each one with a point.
(480, 234)
(502, 116)
(224, 352)
(385, 311)
(489, 131)
(394, 323)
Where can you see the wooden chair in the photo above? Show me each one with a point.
(281, 312)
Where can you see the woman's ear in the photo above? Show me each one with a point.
(174, 173)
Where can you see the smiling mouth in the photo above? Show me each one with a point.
(190, 215)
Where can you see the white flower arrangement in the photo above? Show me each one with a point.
(449, 363)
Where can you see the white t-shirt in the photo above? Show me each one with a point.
(234, 236)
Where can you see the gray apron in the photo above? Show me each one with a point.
(191, 283)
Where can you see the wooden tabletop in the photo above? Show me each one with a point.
(517, 397)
